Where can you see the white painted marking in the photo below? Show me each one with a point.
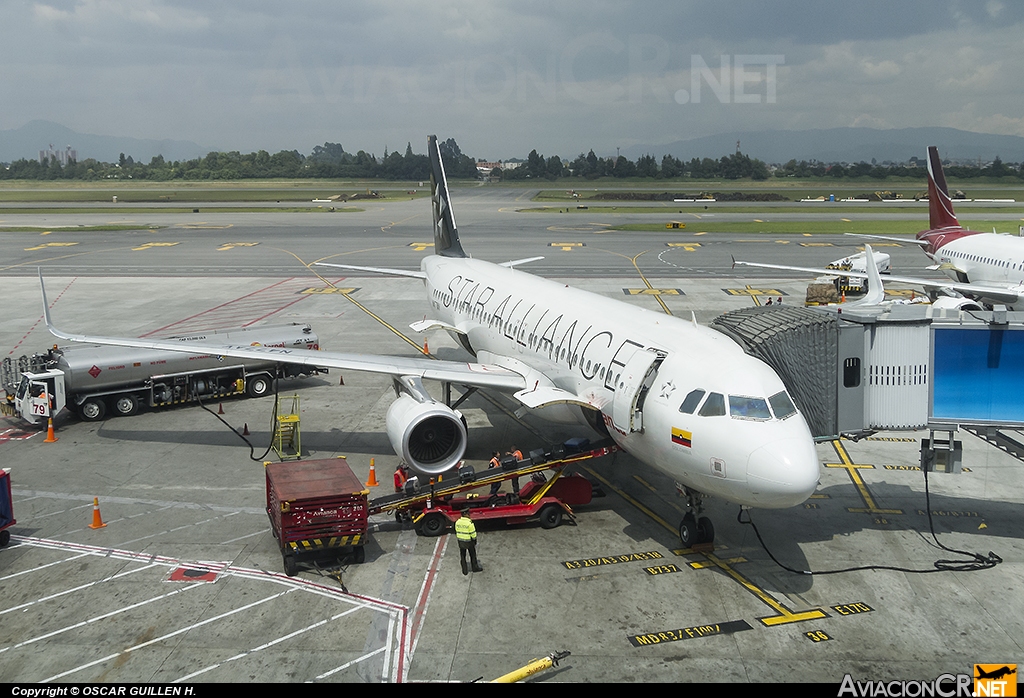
(167, 636)
(51, 597)
(43, 567)
(101, 617)
(353, 662)
(267, 644)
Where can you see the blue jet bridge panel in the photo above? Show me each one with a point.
(978, 375)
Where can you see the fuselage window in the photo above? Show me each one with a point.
(691, 401)
(748, 407)
(782, 406)
(714, 406)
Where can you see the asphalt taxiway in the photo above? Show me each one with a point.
(185, 583)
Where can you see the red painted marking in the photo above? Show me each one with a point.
(36, 323)
(240, 311)
(193, 574)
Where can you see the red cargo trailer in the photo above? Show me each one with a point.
(316, 508)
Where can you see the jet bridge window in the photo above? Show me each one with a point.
(782, 406)
(691, 401)
(714, 406)
(748, 407)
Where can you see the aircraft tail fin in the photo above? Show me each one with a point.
(940, 205)
(446, 234)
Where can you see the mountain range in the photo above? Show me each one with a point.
(27, 141)
(843, 145)
(776, 146)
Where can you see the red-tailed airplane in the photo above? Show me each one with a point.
(984, 268)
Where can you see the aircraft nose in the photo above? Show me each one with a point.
(783, 473)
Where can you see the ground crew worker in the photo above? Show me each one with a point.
(400, 478)
(465, 532)
(495, 463)
(518, 455)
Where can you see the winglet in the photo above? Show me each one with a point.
(46, 311)
(446, 234)
(876, 293)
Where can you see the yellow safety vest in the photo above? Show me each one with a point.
(464, 528)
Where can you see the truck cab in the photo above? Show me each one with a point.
(40, 396)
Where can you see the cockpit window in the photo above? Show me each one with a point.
(782, 406)
(714, 406)
(748, 407)
(691, 401)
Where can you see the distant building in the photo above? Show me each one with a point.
(62, 156)
(485, 168)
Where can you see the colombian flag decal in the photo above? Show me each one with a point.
(681, 437)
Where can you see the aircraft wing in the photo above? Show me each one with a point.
(992, 293)
(472, 374)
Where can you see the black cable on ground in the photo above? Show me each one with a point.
(273, 423)
(976, 561)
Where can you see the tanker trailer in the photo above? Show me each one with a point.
(97, 381)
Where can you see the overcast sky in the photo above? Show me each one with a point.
(562, 76)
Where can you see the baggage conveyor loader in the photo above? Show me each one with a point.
(434, 507)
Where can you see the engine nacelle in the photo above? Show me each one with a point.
(430, 436)
(953, 303)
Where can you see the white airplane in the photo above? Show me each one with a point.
(677, 396)
(985, 268)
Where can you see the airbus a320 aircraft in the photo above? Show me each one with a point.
(677, 396)
(985, 268)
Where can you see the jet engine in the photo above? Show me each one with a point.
(956, 303)
(429, 435)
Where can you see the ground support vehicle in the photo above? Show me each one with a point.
(101, 380)
(6, 507)
(435, 507)
(317, 508)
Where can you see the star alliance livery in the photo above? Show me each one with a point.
(682, 398)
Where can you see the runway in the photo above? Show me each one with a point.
(186, 582)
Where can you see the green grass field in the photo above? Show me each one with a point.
(815, 227)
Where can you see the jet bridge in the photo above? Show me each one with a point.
(856, 370)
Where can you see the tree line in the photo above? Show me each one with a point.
(332, 161)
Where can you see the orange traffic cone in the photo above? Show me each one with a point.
(97, 520)
(50, 438)
(426, 349)
(245, 429)
(341, 380)
(372, 482)
(220, 408)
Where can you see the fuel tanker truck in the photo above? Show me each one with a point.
(97, 381)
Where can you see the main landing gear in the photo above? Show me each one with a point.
(695, 529)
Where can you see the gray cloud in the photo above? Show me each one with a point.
(502, 78)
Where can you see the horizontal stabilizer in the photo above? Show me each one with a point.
(517, 262)
(909, 241)
(376, 270)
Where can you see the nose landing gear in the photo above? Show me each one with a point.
(695, 529)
